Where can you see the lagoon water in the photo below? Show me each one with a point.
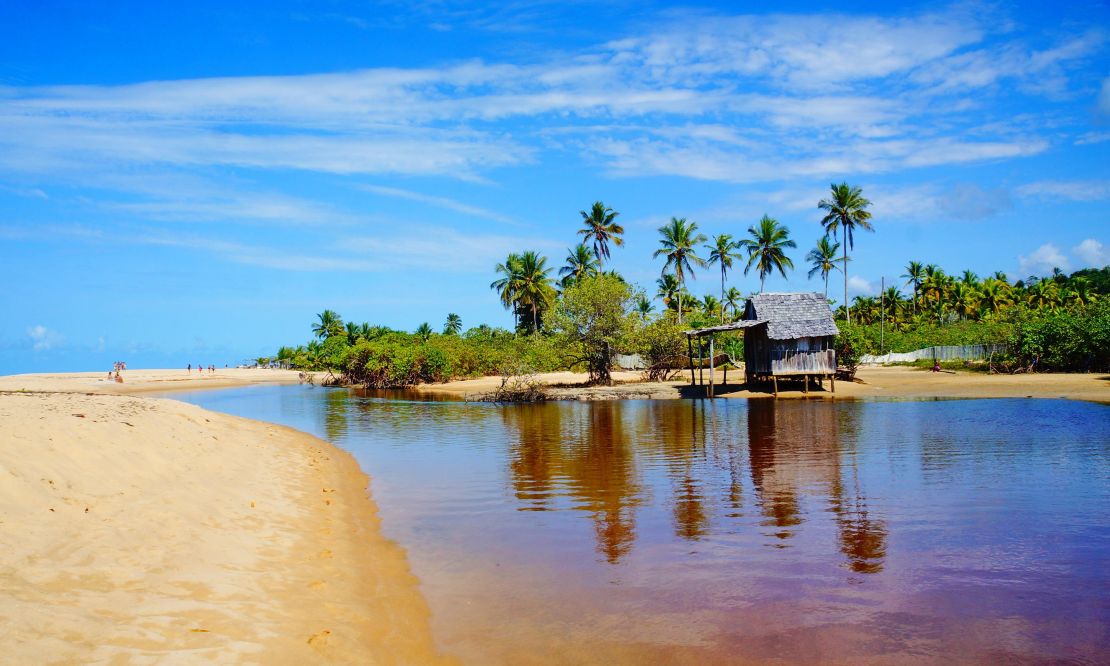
(731, 531)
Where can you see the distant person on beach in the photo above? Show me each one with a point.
(936, 366)
(189, 368)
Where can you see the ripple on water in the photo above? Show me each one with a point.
(696, 531)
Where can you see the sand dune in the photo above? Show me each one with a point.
(137, 530)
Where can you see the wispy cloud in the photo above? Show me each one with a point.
(442, 249)
(438, 201)
(807, 105)
(1074, 190)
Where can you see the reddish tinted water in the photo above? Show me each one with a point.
(738, 532)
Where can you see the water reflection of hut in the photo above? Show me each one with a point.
(784, 335)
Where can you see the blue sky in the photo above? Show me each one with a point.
(193, 184)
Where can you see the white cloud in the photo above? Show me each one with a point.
(1075, 190)
(1042, 260)
(1092, 253)
(42, 338)
(858, 286)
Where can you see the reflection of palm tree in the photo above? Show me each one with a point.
(597, 471)
(691, 518)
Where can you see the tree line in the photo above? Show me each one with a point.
(527, 286)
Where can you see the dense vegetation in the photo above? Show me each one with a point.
(580, 319)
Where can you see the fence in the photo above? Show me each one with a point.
(629, 361)
(944, 353)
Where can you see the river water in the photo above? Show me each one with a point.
(732, 531)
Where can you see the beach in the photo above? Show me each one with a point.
(893, 382)
(144, 530)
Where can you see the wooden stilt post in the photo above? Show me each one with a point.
(805, 378)
(711, 359)
(690, 357)
(775, 381)
(832, 380)
(700, 361)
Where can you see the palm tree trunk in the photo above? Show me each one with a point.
(722, 292)
(826, 285)
(680, 287)
(847, 308)
(762, 279)
(535, 320)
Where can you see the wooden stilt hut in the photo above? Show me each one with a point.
(785, 335)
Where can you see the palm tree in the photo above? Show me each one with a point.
(963, 298)
(668, 289)
(969, 278)
(679, 239)
(581, 262)
(507, 284)
(533, 286)
(1045, 294)
(1079, 291)
(453, 325)
(424, 331)
(822, 259)
(352, 332)
(329, 324)
(915, 273)
(600, 227)
(710, 304)
(993, 295)
(733, 298)
(643, 306)
(766, 248)
(366, 331)
(892, 303)
(845, 210)
(723, 251)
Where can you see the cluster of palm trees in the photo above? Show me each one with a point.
(938, 296)
(526, 287)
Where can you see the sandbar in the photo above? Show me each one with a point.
(144, 530)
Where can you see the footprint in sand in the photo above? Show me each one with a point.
(325, 555)
(319, 639)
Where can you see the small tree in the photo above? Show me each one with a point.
(595, 317)
(662, 345)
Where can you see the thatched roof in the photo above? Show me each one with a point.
(788, 317)
(734, 326)
(792, 316)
